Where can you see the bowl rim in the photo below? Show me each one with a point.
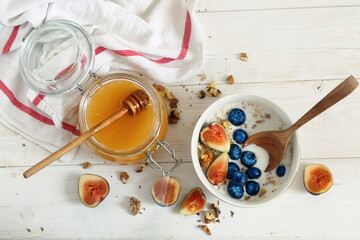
(244, 98)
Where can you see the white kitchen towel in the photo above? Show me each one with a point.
(157, 38)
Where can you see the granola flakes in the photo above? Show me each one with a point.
(206, 158)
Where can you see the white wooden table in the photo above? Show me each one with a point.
(298, 51)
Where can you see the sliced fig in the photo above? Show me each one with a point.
(165, 191)
(93, 189)
(217, 171)
(216, 137)
(317, 178)
(194, 202)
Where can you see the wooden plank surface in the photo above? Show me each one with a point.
(298, 51)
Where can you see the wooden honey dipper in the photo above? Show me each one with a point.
(133, 104)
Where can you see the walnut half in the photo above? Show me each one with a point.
(135, 205)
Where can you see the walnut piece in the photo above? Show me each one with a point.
(212, 90)
(174, 116)
(205, 228)
(86, 165)
(209, 217)
(244, 57)
(139, 169)
(124, 176)
(215, 209)
(201, 94)
(135, 205)
(202, 76)
(230, 79)
(206, 158)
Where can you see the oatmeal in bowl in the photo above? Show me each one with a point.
(231, 172)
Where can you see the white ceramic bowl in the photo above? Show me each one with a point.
(221, 194)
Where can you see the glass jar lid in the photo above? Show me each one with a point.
(56, 57)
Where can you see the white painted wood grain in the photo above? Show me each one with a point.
(283, 45)
(323, 137)
(298, 51)
(255, 5)
(54, 205)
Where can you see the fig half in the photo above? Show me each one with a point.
(317, 178)
(93, 189)
(216, 137)
(194, 202)
(165, 191)
(217, 171)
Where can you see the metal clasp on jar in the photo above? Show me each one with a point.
(170, 150)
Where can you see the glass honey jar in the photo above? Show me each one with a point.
(57, 58)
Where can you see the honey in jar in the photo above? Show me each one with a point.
(128, 132)
(126, 139)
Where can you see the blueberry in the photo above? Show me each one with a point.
(280, 171)
(235, 191)
(232, 167)
(253, 173)
(248, 159)
(237, 116)
(239, 178)
(252, 188)
(235, 151)
(240, 136)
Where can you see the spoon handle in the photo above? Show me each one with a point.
(338, 93)
(75, 143)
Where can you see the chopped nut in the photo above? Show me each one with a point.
(262, 192)
(135, 205)
(202, 76)
(230, 79)
(209, 217)
(139, 169)
(226, 124)
(42, 229)
(267, 116)
(164, 92)
(205, 228)
(174, 102)
(28, 229)
(211, 84)
(244, 57)
(174, 116)
(214, 92)
(231, 213)
(215, 209)
(206, 158)
(259, 121)
(247, 198)
(86, 165)
(201, 94)
(124, 176)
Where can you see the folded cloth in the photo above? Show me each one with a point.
(159, 39)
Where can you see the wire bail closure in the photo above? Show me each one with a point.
(170, 150)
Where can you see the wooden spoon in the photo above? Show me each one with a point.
(275, 142)
(133, 104)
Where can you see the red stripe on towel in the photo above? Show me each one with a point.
(11, 40)
(182, 54)
(31, 112)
